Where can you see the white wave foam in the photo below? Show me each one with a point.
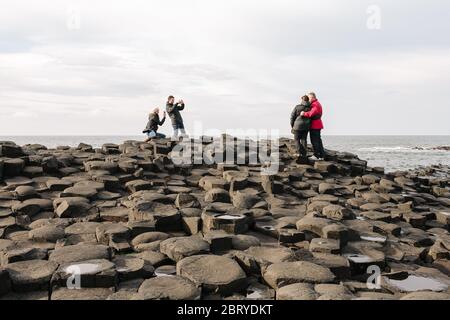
(401, 149)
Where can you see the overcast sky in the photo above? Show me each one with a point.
(99, 66)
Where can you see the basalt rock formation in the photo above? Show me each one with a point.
(127, 222)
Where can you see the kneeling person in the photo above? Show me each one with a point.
(152, 125)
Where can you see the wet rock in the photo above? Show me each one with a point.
(415, 281)
(213, 273)
(338, 215)
(284, 273)
(168, 288)
(97, 273)
(178, 248)
(231, 222)
(31, 275)
(129, 268)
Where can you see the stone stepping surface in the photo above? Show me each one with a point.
(128, 222)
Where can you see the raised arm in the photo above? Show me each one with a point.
(180, 106)
(162, 120)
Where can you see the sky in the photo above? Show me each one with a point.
(98, 67)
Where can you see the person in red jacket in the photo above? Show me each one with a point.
(316, 126)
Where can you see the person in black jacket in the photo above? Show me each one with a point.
(300, 127)
(152, 125)
(173, 109)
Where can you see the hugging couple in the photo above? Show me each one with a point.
(307, 118)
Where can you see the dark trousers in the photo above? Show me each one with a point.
(301, 142)
(316, 141)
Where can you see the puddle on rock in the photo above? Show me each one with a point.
(230, 217)
(417, 283)
(165, 271)
(255, 293)
(82, 268)
(359, 258)
(374, 238)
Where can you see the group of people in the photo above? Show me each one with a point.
(154, 121)
(306, 118)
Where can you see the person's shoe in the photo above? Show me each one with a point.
(314, 158)
(321, 159)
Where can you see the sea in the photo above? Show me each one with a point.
(391, 152)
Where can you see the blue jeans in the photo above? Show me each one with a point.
(178, 126)
(153, 134)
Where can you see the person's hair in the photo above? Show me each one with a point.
(156, 110)
(170, 97)
(305, 98)
(312, 94)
